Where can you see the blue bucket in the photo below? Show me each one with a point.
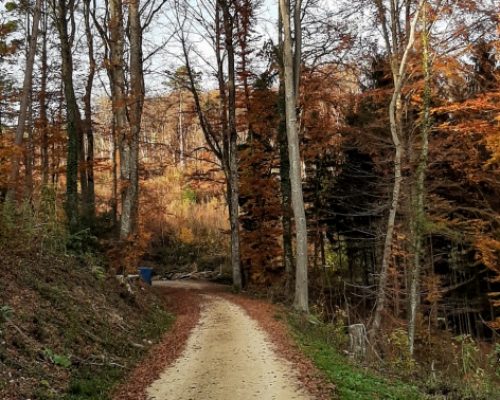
(146, 275)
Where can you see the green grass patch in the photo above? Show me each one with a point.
(94, 383)
(352, 382)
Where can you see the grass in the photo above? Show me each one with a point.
(352, 382)
(94, 383)
(97, 382)
(71, 332)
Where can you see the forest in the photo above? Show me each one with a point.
(336, 160)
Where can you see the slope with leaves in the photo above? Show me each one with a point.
(68, 331)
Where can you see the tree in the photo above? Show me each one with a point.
(89, 201)
(42, 98)
(286, 192)
(129, 146)
(232, 135)
(223, 142)
(418, 206)
(291, 69)
(127, 106)
(62, 10)
(398, 53)
(178, 83)
(26, 96)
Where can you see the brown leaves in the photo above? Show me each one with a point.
(265, 314)
(186, 306)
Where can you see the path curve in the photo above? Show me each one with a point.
(227, 357)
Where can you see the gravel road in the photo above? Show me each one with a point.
(227, 357)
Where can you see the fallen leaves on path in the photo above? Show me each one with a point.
(266, 315)
(185, 305)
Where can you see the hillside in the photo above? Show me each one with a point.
(67, 331)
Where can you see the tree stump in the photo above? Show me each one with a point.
(357, 341)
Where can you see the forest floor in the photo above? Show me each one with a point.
(68, 330)
(236, 347)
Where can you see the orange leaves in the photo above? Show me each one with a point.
(488, 102)
(432, 285)
(467, 129)
(488, 253)
(260, 210)
(468, 5)
(323, 114)
(7, 151)
(186, 235)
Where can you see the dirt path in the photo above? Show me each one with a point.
(227, 357)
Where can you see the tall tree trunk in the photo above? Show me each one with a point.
(297, 43)
(73, 119)
(286, 192)
(130, 145)
(114, 189)
(418, 208)
(180, 128)
(25, 99)
(119, 107)
(42, 98)
(89, 200)
(233, 146)
(399, 74)
(82, 169)
(301, 283)
(29, 155)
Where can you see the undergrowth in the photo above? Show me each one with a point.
(68, 329)
(323, 343)
(352, 382)
(94, 382)
(188, 224)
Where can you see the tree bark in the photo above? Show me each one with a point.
(25, 99)
(297, 55)
(29, 155)
(418, 208)
(286, 192)
(123, 132)
(129, 157)
(233, 146)
(399, 74)
(89, 200)
(114, 189)
(42, 99)
(73, 119)
(301, 283)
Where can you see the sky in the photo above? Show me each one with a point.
(202, 53)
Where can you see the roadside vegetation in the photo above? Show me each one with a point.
(398, 377)
(68, 330)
